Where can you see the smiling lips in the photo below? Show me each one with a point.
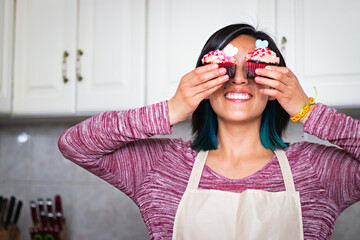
(238, 96)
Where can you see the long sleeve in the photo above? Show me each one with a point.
(339, 129)
(338, 168)
(116, 146)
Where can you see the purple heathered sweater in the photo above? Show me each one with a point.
(116, 146)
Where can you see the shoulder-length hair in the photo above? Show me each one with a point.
(204, 120)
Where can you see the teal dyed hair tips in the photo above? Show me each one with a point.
(268, 135)
(206, 140)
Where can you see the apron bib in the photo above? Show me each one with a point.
(250, 215)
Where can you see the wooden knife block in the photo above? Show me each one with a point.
(12, 233)
(4, 235)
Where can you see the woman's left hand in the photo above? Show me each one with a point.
(284, 87)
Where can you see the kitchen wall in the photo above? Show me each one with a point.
(93, 209)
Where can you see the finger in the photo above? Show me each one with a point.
(269, 73)
(210, 84)
(198, 71)
(205, 94)
(283, 70)
(270, 92)
(207, 76)
(205, 68)
(276, 72)
(272, 83)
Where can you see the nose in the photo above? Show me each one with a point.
(240, 75)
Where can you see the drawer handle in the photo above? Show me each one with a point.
(283, 43)
(64, 66)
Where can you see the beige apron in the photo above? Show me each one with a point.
(253, 214)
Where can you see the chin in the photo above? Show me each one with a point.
(240, 118)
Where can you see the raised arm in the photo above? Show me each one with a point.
(115, 145)
(338, 168)
(108, 131)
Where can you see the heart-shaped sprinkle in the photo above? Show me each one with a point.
(261, 43)
(230, 50)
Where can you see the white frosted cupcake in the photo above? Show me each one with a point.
(223, 58)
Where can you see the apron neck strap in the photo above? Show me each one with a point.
(197, 170)
(286, 170)
(202, 156)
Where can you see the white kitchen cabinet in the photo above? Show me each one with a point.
(112, 37)
(178, 29)
(78, 56)
(322, 47)
(6, 43)
(45, 30)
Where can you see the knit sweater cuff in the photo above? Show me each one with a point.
(321, 121)
(159, 117)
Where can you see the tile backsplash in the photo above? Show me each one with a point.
(93, 209)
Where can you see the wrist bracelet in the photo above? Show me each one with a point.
(305, 110)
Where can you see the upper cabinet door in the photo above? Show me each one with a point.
(45, 38)
(112, 65)
(6, 42)
(322, 47)
(178, 30)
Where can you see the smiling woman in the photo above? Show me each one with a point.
(237, 179)
(274, 120)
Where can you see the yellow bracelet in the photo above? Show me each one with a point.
(305, 110)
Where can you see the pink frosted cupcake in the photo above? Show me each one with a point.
(223, 58)
(260, 58)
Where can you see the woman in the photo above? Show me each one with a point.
(227, 183)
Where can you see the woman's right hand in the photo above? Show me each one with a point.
(194, 87)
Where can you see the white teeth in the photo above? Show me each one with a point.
(237, 96)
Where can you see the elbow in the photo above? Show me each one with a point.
(68, 145)
(64, 146)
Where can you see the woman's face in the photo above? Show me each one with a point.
(239, 100)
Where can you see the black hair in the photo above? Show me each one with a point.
(204, 119)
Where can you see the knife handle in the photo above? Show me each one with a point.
(51, 219)
(10, 210)
(41, 204)
(1, 201)
(17, 212)
(59, 220)
(33, 210)
(58, 204)
(3, 210)
(49, 205)
(43, 219)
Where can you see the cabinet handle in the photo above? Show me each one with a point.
(78, 65)
(64, 67)
(283, 44)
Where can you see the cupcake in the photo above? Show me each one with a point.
(261, 57)
(224, 58)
